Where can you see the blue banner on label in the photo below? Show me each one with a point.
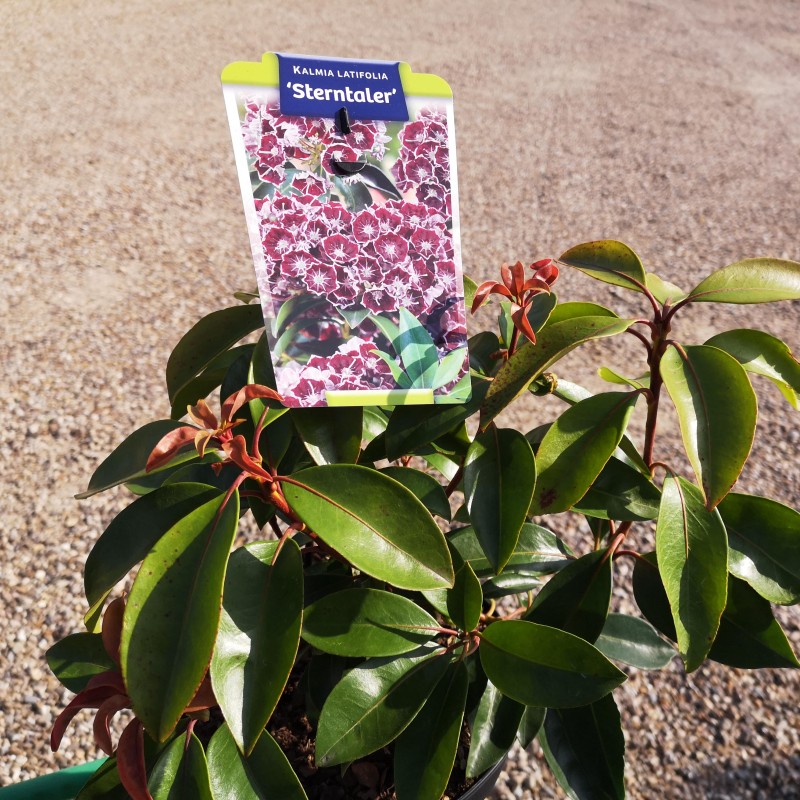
(319, 87)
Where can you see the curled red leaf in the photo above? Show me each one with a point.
(203, 416)
(169, 445)
(130, 761)
(112, 628)
(247, 393)
(100, 727)
(236, 450)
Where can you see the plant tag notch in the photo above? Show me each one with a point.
(348, 177)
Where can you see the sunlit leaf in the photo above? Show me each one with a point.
(608, 261)
(753, 280)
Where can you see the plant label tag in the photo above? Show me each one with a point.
(348, 178)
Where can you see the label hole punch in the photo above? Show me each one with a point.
(345, 168)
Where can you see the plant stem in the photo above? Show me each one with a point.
(453, 485)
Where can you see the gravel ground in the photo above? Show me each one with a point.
(674, 126)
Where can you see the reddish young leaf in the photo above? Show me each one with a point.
(536, 284)
(102, 733)
(236, 450)
(203, 416)
(247, 393)
(97, 691)
(484, 290)
(520, 319)
(546, 270)
(112, 628)
(169, 445)
(204, 697)
(130, 762)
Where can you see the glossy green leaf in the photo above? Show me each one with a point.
(263, 775)
(426, 750)
(76, 658)
(509, 583)
(717, 412)
(572, 310)
(577, 598)
(133, 532)
(208, 380)
(172, 614)
(577, 447)
(762, 354)
(634, 641)
(206, 340)
(425, 487)
(482, 346)
(620, 492)
(411, 427)
(470, 287)
(585, 748)
(493, 731)
(608, 261)
(555, 340)
(499, 479)
(181, 772)
(465, 600)
(692, 549)
(374, 703)
(331, 435)
(754, 280)
(542, 307)
(530, 725)
(764, 540)
(612, 377)
(538, 551)
(259, 632)
(374, 522)
(749, 636)
(104, 784)
(128, 459)
(367, 623)
(541, 666)
(662, 290)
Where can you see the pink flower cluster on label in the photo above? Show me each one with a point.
(424, 161)
(353, 366)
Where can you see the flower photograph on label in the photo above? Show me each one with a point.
(357, 265)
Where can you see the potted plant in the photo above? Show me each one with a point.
(362, 642)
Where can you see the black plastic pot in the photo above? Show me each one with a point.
(481, 788)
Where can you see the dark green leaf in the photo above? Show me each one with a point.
(764, 540)
(425, 487)
(133, 532)
(499, 479)
(465, 599)
(754, 280)
(206, 340)
(692, 549)
(374, 703)
(576, 599)
(202, 471)
(259, 632)
(538, 551)
(128, 459)
(717, 412)
(762, 354)
(321, 676)
(262, 373)
(555, 340)
(426, 750)
(749, 636)
(577, 447)
(541, 666)
(331, 435)
(263, 775)
(620, 492)
(608, 261)
(413, 426)
(208, 380)
(493, 730)
(172, 614)
(482, 346)
(585, 748)
(366, 622)
(104, 784)
(542, 306)
(509, 583)
(181, 772)
(75, 658)
(648, 589)
(633, 641)
(530, 725)
(374, 522)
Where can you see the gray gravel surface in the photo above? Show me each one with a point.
(674, 126)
